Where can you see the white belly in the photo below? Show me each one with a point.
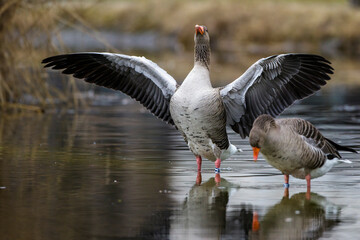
(194, 118)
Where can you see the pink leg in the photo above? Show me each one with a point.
(286, 192)
(286, 178)
(286, 185)
(308, 186)
(217, 164)
(217, 171)
(217, 179)
(198, 161)
(198, 178)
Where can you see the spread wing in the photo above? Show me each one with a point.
(271, 85)
(137, 77)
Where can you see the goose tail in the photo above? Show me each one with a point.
(344, 161)
(341, 148)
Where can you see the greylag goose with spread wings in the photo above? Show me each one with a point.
(199, 111)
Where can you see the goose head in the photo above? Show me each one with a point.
(259, 131)
(202, 45)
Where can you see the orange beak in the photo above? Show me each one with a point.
(256, 153)
(199, 29)
(255, 223)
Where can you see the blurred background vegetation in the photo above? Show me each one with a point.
(241, 33)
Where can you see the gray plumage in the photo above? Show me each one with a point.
(271, 85)
(295, 146)
(199, 111)
(138, 77)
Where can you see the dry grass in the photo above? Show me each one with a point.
(27, 31)
(241, 31)
(19, 76)
(28, 28)
(250, 21)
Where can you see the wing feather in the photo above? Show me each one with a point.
(311, 134)
(271, 85)
(137, 77)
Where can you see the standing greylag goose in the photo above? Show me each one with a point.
(295, 147)
(199, 111)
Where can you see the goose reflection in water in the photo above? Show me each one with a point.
(298, 218)
(204, 213)
(207, 214)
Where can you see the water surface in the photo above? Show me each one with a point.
(113, 171)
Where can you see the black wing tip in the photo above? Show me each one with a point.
(55, 57)
(50, 59)
(340, 147)
(348, 149)
(315, 57)
(310, 56)
(45, 60)
(322, 64)
(66, 56)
